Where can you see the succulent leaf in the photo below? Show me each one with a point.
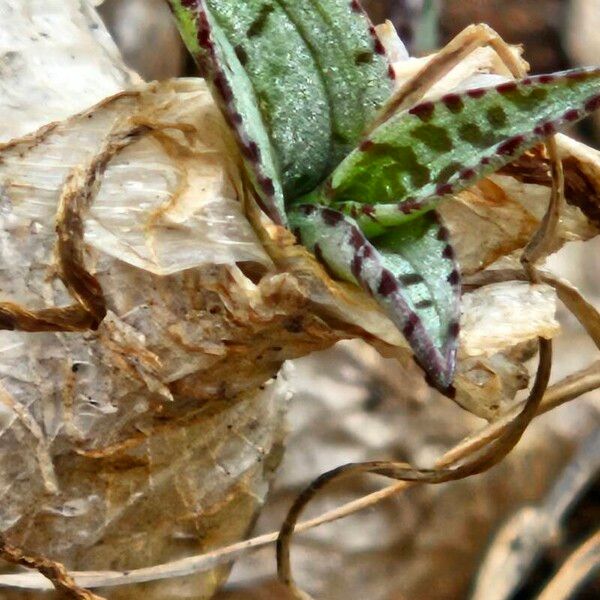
(352, 64)
(298, 82)
(438, 148)
(288, 87)
(411, 271)
(234, 92)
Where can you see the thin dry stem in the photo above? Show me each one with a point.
(569, 388)
(541, 244)
(78, 192)
(54, 571)
(581, 565)
(465, 43)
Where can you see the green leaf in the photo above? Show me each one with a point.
(352, 64)
(438, 148)
(234, 92)
(410, 271)
(287, 85)
(298, 82)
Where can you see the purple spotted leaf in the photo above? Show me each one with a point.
(233, 91)
(410, 270)
(297, 81)
(438, 148)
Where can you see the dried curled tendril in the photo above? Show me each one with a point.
(481, 459)
(77, 196)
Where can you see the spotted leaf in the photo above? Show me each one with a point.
(298, 82)
(234, 92)
(410, 271)
(437, 148)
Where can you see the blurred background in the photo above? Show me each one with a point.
(429, 543)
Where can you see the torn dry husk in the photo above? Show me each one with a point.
(583, 310)
(564, 391)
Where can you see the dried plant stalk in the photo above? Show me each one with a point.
(578, 568)
(55, 572)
